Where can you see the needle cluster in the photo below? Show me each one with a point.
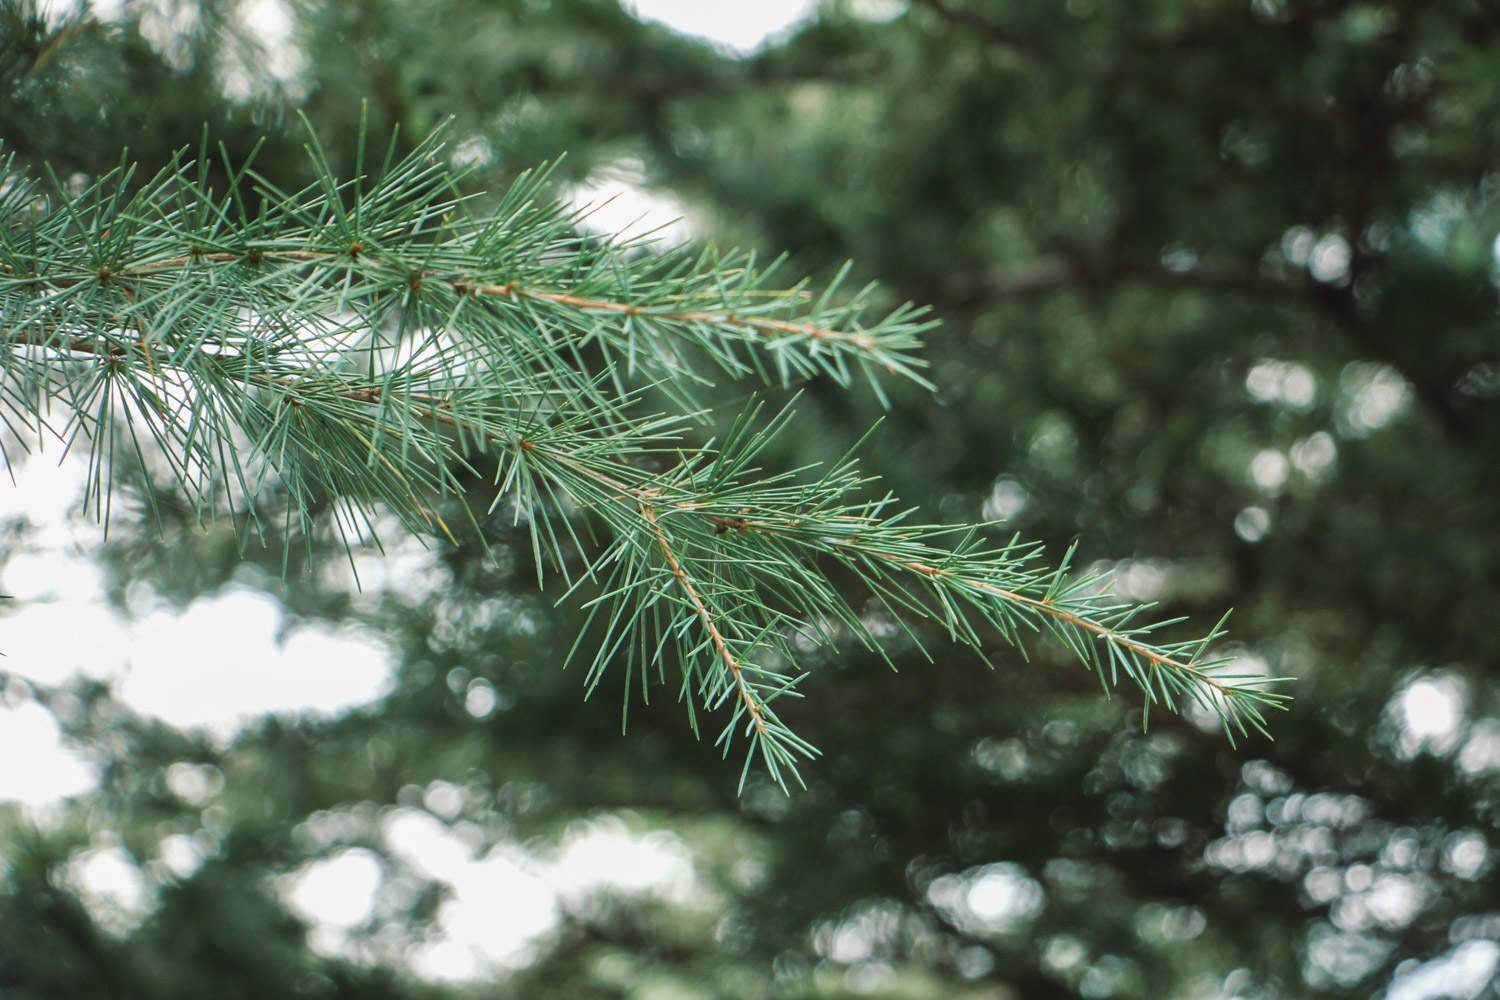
(376, 343)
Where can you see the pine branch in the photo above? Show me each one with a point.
(808, 523)
(710, 624)
(720, 320)
(375, 343)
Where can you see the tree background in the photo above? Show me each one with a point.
(1218, 283)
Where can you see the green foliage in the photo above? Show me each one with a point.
(371, 342)
(1216, 282)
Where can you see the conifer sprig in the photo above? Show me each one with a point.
(376, 342)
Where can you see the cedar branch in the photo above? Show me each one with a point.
(463, 286)
(645, 501)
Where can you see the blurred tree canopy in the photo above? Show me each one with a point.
(1219, 288)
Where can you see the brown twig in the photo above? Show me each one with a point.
(511, 290)
(1048, 608)
(751, 703)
